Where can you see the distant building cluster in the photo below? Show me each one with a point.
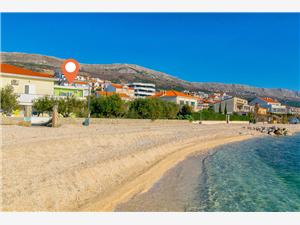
(30, 85)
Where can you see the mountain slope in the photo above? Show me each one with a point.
(123, 73)
(249, 91)
(119, 73)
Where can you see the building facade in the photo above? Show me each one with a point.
(179, 98)
(272, 105)
(120, 89)
(68, 91)
(142, 90)
(233, 105)
(28, 85)
(293, 110)
(262, 111)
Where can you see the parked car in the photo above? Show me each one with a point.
(294, 120)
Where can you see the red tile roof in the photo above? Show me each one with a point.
(210, 101)
(172, 93)
(270, 100)
(80, 82)
(117, 85)
(7, 68)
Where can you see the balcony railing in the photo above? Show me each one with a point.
(27, 99)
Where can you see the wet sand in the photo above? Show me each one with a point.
(171, 193)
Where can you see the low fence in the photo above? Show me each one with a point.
(212, 122)
(62, 121)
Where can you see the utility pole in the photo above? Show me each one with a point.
(86, 122)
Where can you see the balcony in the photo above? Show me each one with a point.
(27, 99)
(143, 93)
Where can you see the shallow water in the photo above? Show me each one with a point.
(261, 174)
(257, 175)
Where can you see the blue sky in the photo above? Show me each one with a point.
(255, 49)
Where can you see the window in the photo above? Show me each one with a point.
(29, 89)
(26, 89)
(62, 94)
(181, 102)
(14, 82)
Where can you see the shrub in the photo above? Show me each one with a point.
(211, 115)
(66, 106)
(42, 105)
(145, 109)
(111, 106)
(152, 108)
(237, 117)
(208, 115)
(185, 110)
(8, 99)
(170, 110)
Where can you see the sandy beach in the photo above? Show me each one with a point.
(95, 168)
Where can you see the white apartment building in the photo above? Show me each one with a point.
(272, 105)
(234, 105)
(142, 90)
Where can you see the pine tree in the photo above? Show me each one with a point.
(225, 109)
(220, 108)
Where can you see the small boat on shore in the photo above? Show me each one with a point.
(41, 121)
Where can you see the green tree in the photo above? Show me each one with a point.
(220, 108)
(69, 105)
(145, 109)
(251, 116)
(170, 110)
(42, 105)
(152, 108)
(211, 115)
(225, 109)
(285, 119)
(8, 99)
(185, 110)
(111, 106)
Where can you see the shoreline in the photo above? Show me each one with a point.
(172, 183)
(75, 168)
(144, 181)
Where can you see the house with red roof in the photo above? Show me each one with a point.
(272, 105)
(120, 89)
(178, 98)
(123, 96)
(27, 84)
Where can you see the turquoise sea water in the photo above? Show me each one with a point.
(261, 174)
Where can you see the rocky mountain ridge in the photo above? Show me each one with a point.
(123, 73)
